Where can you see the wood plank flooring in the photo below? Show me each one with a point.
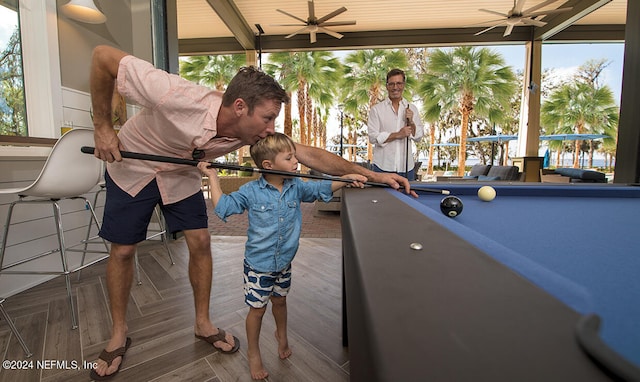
(161, 318)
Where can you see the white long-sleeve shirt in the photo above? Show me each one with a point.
(383, 120)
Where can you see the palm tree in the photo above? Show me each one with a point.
(431, 112)
(579, 108)
(364, 80)
(213, 71)
(321, 94)
(468, 80)
(281, 69)
(307, 73)
(589, 73)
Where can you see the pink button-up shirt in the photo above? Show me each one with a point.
(177, 116)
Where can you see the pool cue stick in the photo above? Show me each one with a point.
(193, 162)
(406, 152)
(313, 176)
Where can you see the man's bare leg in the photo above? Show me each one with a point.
(119, 281)
(200, 275)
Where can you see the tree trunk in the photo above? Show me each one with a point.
(309, 115)
(288, 122)
(576, 154)
(302, 114)
(432, 140)
(462, 150)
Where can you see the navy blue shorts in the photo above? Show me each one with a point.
(126, 218)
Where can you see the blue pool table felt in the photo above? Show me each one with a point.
(581, 249)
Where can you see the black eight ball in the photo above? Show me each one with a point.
(451, 206)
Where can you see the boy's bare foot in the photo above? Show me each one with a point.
(283, 346)
(255, 366)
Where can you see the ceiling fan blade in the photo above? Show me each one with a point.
(288, 25)
(488, 29)
(549, 12)
(494, 12)
(312, 10)
(332, 15)
(541, 5)
(298, 31)
(337, 23)
(290, 15)
(536, 23)
(507, 30)
(486, 23)
(517, 8)
(330, 32)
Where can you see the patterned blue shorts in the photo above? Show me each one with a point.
(258, 286)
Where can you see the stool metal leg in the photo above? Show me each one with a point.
(6, 233)
(65, 266)
(14, 330)
(61, 248)
(93, 219)
(163, 233)
(4, 313)
(137, 265)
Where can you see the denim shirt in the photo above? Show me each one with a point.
(275, 219)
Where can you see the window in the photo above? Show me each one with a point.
(12, 102)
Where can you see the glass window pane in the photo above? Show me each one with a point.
(12, 104)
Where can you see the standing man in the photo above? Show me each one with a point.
(392, 124)
(177, 118)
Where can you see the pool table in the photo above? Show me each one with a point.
(540, 284)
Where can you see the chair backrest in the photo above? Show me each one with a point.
(504, 172)
(68, 172)
(479, 169)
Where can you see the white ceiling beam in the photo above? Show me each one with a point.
(231, 16)
(560, 21)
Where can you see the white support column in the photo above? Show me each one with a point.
(529, 130)
(251, 56)
(42, 84)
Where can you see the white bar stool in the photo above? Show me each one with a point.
(67, 175)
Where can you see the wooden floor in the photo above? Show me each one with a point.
(161, 318)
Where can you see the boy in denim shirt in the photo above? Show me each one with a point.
(275, 221)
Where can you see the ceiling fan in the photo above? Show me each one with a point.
(315, 25)
(516, 16)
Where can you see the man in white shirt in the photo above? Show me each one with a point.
(392, 124)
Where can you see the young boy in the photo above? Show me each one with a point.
(275, 221)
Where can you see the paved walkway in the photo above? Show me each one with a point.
(314, 224)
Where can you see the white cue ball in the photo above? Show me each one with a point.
(486, 193)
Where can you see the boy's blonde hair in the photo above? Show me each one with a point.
(269, 147)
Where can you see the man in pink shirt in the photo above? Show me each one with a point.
(177, 118)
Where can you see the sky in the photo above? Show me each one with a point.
(8, 22)
(565, 59)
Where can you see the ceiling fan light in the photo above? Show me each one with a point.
(83, 10)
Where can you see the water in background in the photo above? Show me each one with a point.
(567, 162)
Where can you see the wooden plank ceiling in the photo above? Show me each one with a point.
(224, 26)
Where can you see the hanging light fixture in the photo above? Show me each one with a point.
(85, 11)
